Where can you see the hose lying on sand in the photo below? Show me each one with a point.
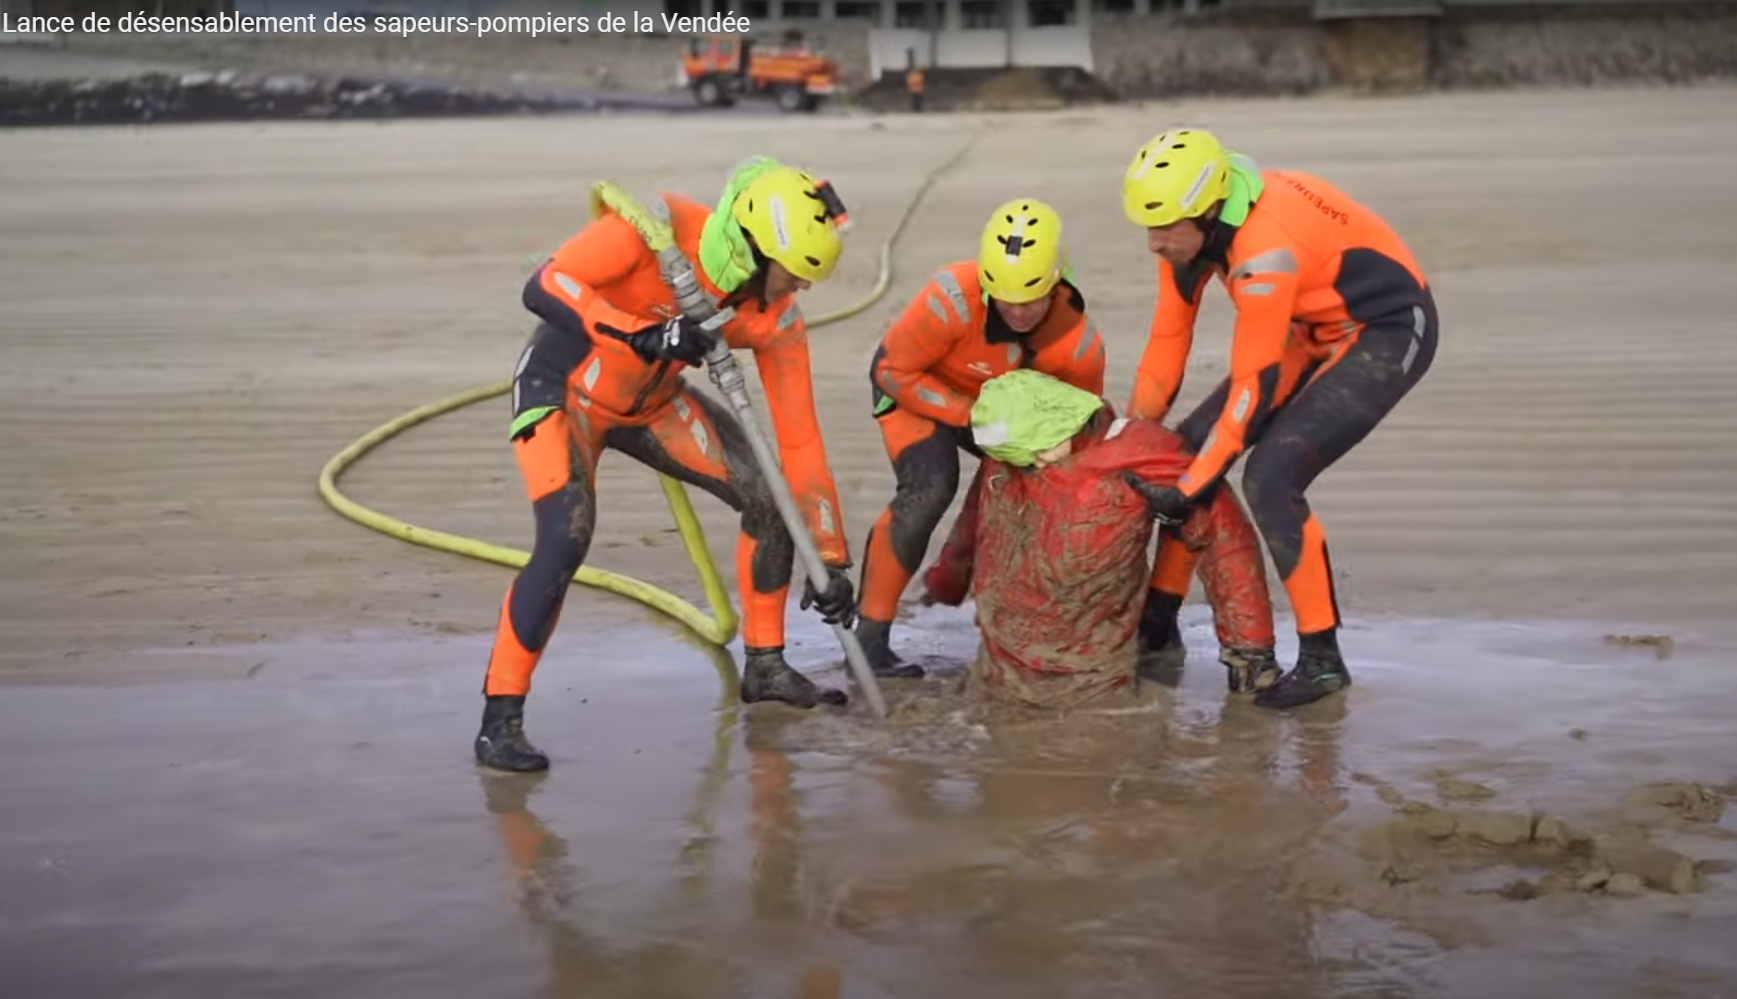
(720, 626)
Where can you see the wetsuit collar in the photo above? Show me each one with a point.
(1246, 187)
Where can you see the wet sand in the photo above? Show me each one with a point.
(308, 828)
(196, 318)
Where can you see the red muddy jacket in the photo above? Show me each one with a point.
(1055, 558)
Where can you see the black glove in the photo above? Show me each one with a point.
(837, 603)
(1166, 502)
(680, 339)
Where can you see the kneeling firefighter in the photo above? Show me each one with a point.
(1015, 306)
(604, 370)
(1052, 546)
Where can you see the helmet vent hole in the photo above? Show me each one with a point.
(1154, 204)
(1163, 164)
(1180, 145)
(812, 261)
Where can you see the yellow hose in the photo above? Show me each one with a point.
(720, 626)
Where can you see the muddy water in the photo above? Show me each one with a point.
(1492, 811)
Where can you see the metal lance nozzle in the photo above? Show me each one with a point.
(726, 374)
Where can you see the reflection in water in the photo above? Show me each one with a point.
(1124, 853)
(580, 965)
(1189, 845)
(1492, 811)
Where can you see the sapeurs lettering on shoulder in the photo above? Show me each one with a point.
(1319, 202)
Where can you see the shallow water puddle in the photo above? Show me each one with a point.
(1492, 810)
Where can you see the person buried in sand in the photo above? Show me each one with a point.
(1052, 545)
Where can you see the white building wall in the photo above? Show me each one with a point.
(951, 45)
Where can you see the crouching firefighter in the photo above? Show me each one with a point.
(1015, 306)
(604, 370)
(1051, 544)
(1335, 324)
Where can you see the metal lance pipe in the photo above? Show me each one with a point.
(727, 375)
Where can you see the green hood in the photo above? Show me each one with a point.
(1024, 413)
(725, 254)
(1246, 186)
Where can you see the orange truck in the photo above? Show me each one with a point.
(719, 69)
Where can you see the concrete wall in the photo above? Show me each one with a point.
(1254, 53)
(1379, 53)
(1282, 49)
(1585, 44)
(1046, 46)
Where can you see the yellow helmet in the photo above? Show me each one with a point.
(1177, 175)
(794, 219)
(1020, 257)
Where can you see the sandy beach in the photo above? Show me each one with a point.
(195, 318)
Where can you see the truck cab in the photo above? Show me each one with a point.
(721, 69)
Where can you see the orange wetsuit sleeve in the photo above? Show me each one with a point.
(1263, 285)
(787, 375)
(1085, 367)
(1159, 376)
(603, 253)
(915, 342)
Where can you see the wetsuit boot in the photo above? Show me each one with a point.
(1161, 645)
(1320, 671)
(875, 639)
(767, 677)
(501, 745)
(1249, 670)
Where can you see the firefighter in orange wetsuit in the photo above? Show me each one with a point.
(604, 370)
(1014, 307)
(1335, 323)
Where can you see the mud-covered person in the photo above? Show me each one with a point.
(1015, 306)
(1335, 323)
(1051, 545)
(604, 371)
